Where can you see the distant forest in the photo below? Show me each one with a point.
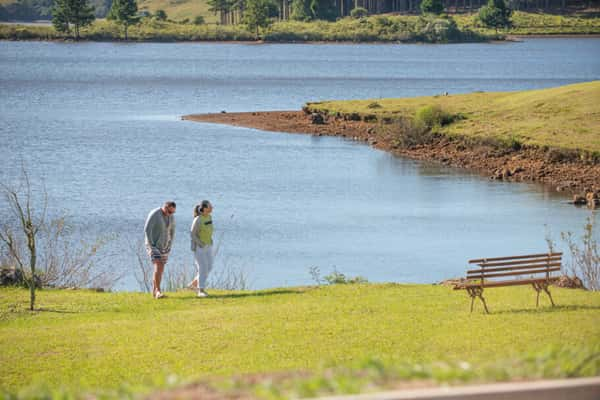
(30, 10)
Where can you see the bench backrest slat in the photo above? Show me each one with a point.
(541, 267)
(482, 260)
(543, 260)
(514, 273)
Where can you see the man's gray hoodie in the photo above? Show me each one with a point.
(159, 231)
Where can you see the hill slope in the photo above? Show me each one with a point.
(566, 117)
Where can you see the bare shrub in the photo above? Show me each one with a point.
(67, 263)
(229, 277)
(585, 257)
(177, 276)
(404, 133)
(145, 269)
(20, 230)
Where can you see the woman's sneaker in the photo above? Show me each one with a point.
(202, 293)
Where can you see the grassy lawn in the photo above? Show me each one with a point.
(83, 340)
(566, 117)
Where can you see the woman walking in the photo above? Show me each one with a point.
(201, 235)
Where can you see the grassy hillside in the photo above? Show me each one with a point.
(566, 117)
(178, 10)
(82, 340)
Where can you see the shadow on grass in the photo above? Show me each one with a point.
(262, 293)
(50, 310)
(546, 309)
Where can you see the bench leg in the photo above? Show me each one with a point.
(477, 292)
(549, 295)
(538, 288)
(483, 301)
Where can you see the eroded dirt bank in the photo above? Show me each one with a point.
(527, 165)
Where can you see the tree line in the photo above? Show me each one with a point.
(71, 15)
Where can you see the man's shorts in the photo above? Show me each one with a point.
(155, 255)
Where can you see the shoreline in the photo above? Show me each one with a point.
(524, 165)
(507, 38)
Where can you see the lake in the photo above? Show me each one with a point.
(100, 123)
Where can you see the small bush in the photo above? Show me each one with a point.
(430, 117)
(199, 20)
(359, 12)
(374, 105)
(512, 142)
(160, 15)
(337, 278)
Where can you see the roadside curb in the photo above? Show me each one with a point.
(563, 389)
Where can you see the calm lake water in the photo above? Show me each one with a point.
(100, 123)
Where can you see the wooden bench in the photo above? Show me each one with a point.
(533, 269)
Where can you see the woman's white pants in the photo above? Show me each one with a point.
(203, 257)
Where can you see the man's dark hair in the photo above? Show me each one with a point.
(170, 204)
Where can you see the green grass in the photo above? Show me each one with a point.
(148, 30)
(83, 340)
(524, 23)
(179, 9)
(566, 117)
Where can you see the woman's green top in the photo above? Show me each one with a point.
(206, 230)
(201, 232)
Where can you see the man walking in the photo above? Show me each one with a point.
(159, 232)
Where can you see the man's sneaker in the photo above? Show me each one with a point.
(202, 293)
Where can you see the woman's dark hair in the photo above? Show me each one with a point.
(200, 207)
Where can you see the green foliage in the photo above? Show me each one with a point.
(439, 30)
(256, 15)
(495, 14)
(124, 12)
(323, 9)
(160, 15)
(199, 20)
(359, 12)
(77, 13)
(432, 116)
(301, 10)
(337, 278)
(432, 7)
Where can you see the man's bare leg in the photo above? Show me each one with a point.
(159, 267)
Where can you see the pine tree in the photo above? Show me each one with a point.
(256, 15)
(123, 12)
(67, 13)
(495, 14)
(432, 7)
